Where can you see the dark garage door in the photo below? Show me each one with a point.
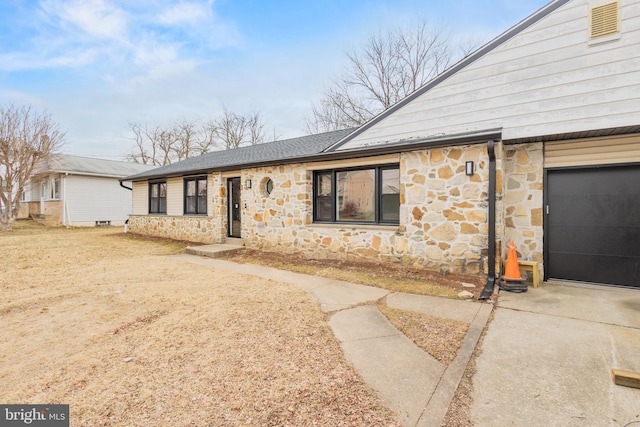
(592, 229)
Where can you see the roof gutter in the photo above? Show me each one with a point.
(491, 277)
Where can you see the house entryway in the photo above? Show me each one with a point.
(233, 202)
(592, 224)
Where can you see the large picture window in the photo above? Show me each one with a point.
(158, 197)
(363, 195)
(195, 196)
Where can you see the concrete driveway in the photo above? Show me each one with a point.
(547, 356)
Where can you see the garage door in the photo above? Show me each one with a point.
(592, 226)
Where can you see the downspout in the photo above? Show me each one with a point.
(126, 222)
(491, 278)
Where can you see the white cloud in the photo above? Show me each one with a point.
(185, 13)
(95, 18)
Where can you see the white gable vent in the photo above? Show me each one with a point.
(605, 20)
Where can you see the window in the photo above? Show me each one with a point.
(195, 199)
(390, 195)
(323, 189)
(158, 197)
(54, 189)
(268, 187)
(366, 195)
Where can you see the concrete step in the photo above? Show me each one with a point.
(234, 241)
(214, 251)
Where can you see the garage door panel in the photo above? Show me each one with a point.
(591, 209)
(596, 240)
(596, 269)
(592, 229)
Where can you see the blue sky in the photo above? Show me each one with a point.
(96, 65)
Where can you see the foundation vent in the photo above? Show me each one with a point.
(605, 20)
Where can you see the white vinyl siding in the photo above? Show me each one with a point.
(545, 80)
(140, 198)
(89, 199)
(175, 202)
(592, 151)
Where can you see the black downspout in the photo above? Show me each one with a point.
(124, 186)
(491, 279)
(126, 222)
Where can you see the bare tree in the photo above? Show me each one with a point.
(387, 68)
(188, 140)
(27, 138)
(151, 145)
(228, 130)
(160, 146)
(232, 130)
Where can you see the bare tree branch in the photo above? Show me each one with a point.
(386, 69)
(232, 130)
(27, 138)
(160, 146)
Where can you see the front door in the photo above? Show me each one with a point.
(233, 202)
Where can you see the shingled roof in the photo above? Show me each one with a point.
(283, 151)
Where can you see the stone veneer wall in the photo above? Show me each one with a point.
(443, 214)
(523, 199)
(218, 207)
(190, 228)
(443, 211)
(282, 221)
(193, 228)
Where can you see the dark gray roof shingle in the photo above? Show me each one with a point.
(284, 150)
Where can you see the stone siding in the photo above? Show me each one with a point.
(199, 229)
(282, 221)
(523, 200)
(443, 212)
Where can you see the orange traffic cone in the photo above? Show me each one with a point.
(511, 280)
(512, 269)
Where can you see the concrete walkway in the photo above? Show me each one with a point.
(409, 381)
(547, 356)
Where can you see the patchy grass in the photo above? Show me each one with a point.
(394, 277)
(441, 338)
(127, 336)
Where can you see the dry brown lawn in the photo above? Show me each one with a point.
(439, 337)
(128, 337)
(394, 277)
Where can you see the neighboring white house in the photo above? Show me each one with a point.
(81, 191)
